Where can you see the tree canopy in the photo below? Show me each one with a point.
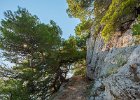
(81, 9)
(41, 56)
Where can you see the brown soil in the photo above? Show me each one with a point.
(75, 89)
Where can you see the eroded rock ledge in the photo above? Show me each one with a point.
(115, 71)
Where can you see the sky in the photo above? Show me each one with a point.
(46, 10)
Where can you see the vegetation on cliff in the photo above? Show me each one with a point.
(136, 27)
(106, 16)
(118, 13)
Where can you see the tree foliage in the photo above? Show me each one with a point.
(41, 56)
(81, 9)
(83, 29)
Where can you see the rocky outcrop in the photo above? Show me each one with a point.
(114, 68)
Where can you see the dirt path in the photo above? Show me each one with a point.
(75, 89)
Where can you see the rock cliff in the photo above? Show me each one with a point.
(114, 67)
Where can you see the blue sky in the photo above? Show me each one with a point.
(46, 10)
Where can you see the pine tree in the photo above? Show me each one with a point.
(41, 56)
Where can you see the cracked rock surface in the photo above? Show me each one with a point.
(115, 71)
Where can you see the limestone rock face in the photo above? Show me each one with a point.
(115, 68)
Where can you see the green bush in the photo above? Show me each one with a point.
(136, 27)
(136, 31)
(80, 68)
(117, 11)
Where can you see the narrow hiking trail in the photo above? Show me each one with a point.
(75, 89)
